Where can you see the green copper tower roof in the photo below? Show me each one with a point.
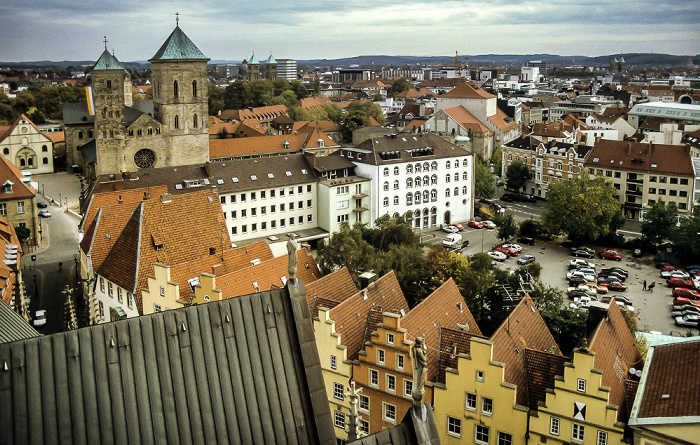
(270, 59)
(253, 60)
(107, 62)
(178, 47)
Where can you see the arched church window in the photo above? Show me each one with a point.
(194, 88)
(177, 121)
(175, 89)
(144, 158)
(195, 121)
(80, 135)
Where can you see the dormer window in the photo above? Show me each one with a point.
(320, 142)
(8, 186)
(285, 144)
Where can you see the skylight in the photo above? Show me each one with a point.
(206, 181)
(303, 171)
(253, 178)
(234, 179)
(219, 181)
(653, 165)
(288, 173)
(178, 186)
(596, 159)
(270, 175)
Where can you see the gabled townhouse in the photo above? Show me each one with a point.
(160, 231)
(609, 123)
(458, 122)
(26, 146)
(341, 333)
(422, 174)
(482, 390)
(645, 173)
(666, 408)
(384, 367)
(442, 85)
(18, 201)
(558, 131)
(586, 398)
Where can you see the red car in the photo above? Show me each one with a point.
(507, 250)
(617, 286)
(610, 254)
(687, 293)
(680, 301)
(668, 267)
(679, 282)
(458, 226)
(475, 224)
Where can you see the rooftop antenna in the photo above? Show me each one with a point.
(177, 19)
(105, 40)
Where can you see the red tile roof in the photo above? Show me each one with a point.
(224, 148)
(351, 316)
(452, 343)
(261, 114)
(9, 172)
(467, 120)
(500, 119)
(642, 157)
(523, 328)
(541, 367)
(337, 286)
(414, 92)
(468, 91)
(114, 198)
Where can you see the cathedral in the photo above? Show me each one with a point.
(114, 133)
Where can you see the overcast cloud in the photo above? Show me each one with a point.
(72, 30)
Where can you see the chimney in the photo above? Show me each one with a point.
(367, 278)
(217, 270)
(208, 168)
(166, 197)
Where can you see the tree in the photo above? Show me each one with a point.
(376, 112)
(517, 175)
(299, 89)
(400, 85)
(497, 161)
(23, 233)
(567, 325)
(334, 112)
(484, 185)
(279, 86)
(583, 208)
(352, 121)
(347, 248)
(660, 222)
(506, 225)
(687, 237)
(223, 133)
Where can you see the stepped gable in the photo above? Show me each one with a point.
(541, 367)
(446, 308)
(523, 328)
(452, 343)
(615, 353)
(383, 295)
(337, 287)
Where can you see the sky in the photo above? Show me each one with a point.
(60, 30)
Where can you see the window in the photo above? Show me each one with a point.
(102, 310)
(345, 204)
(343, 218)
(364, 426)
(308, 188)
(380, 356)
(479, 376)
(390, 339)
(652, 178)
(396, 200)
(334, 362)
(373, 377)
(389, 412)
(465, 176)
(454, 426)
(684, 181)
(339, 419)
(194, 88)
(672, 192)
(447, 193)
(343, 190)
(364, 404)
(433, 179)
(481, 434)
(129, 300)
(554, 426)
(254, 227)
(409, 183)
(195, 121)
(20, 207)
(177, 121)
(223, 200)
(504, 438)
(448, 177)
(396, 185)
(308, 203)
(409, 199)
(291, 206)
(602, 438)
(391, 383)
(244, 213)
(310, 217)
(282, 207)
(386, 171)
(399, 361)
(244, 228)
(673, 180)
(120, 298)
(300, 220)
(581, 385)
(407, 388)
(456, 177)
(338, 391)
(110, 289)
(263, 210)
(396, 170)
(486, 406)
(652, 190)
(409, 169)
(577, 431)
(175, 89)
(273, 208)
(264, 225)
(433, 165)
(470, 402)
(385, 187)
(662, 191)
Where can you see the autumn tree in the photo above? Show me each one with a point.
(583, 208)
(484, 184)
(398, 86)
(660, 221)
(517, 175)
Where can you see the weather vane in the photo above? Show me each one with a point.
(177, 19)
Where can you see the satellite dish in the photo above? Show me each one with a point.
(633, 371)
(638, 373)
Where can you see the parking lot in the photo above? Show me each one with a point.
(653, 308)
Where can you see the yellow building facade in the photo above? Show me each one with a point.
(577, 410)
(162, 293)
(475, 404)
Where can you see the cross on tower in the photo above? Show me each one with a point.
(177, 19)
(105, 40)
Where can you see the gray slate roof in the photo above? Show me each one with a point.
(107, 61)
(178, 47)
(77, 114)
(404, 146)
(89, 151)
(12, 326)
(241, 370)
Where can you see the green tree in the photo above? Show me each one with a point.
(299, 89)
(687, 237)
(279, 86)
(215, 99)
(347, 248)
(517, 175)
(497, 161)
(376, 112)
(583, 208)
(223, 134)
(400, 85)
(262, 92)
(506, 225)
(23, 233)
(37, 117)
(352, 121)
(567, 325)
(660, 222)
(484, 184)
(238, 95)
(334, 112)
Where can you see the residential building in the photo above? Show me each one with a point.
(26, 146)
(345, 74)
(609, 123)
(546, 161)
(287, 69)
(422, 174)
(308, 139)
(457, 122)
(341, 333)
(18, 201)
(582, 105)
(645, 173)
(384, 367)
(12, 291)
(116, 133)
(667, 405)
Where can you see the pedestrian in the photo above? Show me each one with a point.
(644, 286)
(651, 287)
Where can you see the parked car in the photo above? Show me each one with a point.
(582, 252)
(674, 274)
(475, 224)
(660, 264)
(688, 320)
(608, 254)
(680, 301)
(449, 228)
(686, 310)
(40, 318)
(44, 213)
(458, 226)
(687, 293)
(618, 270)
(580, 262)
(668, 267)
(42, 205)
(516, 247)
(498, 256)
(577, 280)
(616, 286)
(612, 276)
(572, 294)
(507, 250)
(488, 224)
(526, 259)
(679, 282)
(599, 288)
(582, 288)
(578, 273)
(526, 240)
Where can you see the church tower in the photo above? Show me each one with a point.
(253, 68)
(180, 100)
(270, 68)
(111, 87)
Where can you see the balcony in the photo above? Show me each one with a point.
(360, 195)
(635, 181)
(633, 205)
(633, 192)
(360, 209)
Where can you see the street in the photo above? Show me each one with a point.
(55, 265)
